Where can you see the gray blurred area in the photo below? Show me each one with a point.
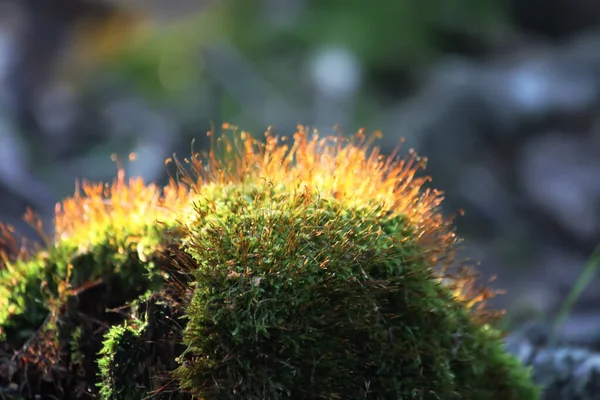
(501, 96)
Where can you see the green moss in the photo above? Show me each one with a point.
(138, 356)
(297, 274)
(56, 304)
(123, 346)
(28, 286)
(297, 296)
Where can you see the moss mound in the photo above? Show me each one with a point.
(315, 269)
(301, 297)
(57, 302)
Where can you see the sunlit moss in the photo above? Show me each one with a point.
(102, 230)
(55, 301)
(304, 268)
(314, 277)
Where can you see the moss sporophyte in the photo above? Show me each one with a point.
(289, 268)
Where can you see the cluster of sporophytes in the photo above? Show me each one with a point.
(297, 268)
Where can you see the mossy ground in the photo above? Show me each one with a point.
(314, 269)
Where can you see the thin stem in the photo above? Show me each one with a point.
(583, 280)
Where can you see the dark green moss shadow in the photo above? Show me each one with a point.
(138, 357)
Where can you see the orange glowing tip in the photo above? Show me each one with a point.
(350, 170)
(122, 203)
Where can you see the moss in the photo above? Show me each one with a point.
(123, 346)
(314, 269)
(121, 245)
(316, 299)
(314, 278)
(138, 356)
(56, 302)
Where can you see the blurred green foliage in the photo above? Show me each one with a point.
(401, 33)
(404, 35)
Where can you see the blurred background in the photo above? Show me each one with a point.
(502, 96)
